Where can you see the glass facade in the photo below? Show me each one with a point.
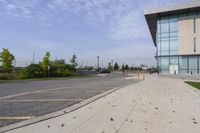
(167, 35)
(186, 64)
(168, 60)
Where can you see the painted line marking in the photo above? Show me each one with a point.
(15, 117)
(30, 92)
(43, 100)
(130, 78)
(94, 91)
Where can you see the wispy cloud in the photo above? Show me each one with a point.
(121, 19)
(17, 8)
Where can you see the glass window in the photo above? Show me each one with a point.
(164, 45)
(183, 62)
(192, 14)
(165, 52)
(192, 62)
(173, 26)
(164, 19)
(199, 63)
(158, 28)
(158, 48)
(173, 60)
(173, 18)
(173, 34)
(165, 39)
(183, 15)
(158, 21)
(158, 36)
(173, 45)
(165, 27)
(173, 52)
(164, 71)
(165, 63)
(183, 71)
(158, 61)
(164, 35)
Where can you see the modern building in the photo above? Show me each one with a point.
(175, 31)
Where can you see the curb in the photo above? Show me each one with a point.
(61, 112)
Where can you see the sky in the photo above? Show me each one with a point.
(112, 29)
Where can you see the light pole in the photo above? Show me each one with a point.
(98, 63)
(33, 57)
(112, 66)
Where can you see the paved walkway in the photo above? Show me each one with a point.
(156, 105)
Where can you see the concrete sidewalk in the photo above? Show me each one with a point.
(156, 105)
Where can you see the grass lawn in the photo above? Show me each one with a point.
(194, 84)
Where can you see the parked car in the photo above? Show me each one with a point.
(105, 71)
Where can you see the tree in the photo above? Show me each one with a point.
(45, 62)
(61, 61)
(116, 66)
(109, 66)
(73, 61)
(6, 58)
(126, 67)
(132, 68)
(123, 67)
(34, 71)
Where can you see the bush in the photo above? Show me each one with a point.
(34, 71)
(16, 74)
(20, 74)
(69, 73)
(4, 76)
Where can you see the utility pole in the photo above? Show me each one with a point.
(48, 67)
(112, 66)
(33, 57)
(98, 63)
(82, 64)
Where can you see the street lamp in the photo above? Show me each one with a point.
(98, 63)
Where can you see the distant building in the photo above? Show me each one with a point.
(175, 31)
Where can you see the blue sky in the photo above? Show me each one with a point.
(112, 29)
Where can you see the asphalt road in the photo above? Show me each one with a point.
(25, 100)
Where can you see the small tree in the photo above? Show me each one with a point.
(45, 62)
(73, 61)
(116, 66)
(109, 66)
(34, 71)
(126, 67)
(123, 67)
(132, 68)
(6, 58)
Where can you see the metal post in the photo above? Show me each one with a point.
(33, 57)
(98, 63)
(48, 71)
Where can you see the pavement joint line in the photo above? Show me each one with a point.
(16, 117)
(42, 100)
(30, 92)
(63, 111)
(74, 129)
(133, 108)
(94, 91)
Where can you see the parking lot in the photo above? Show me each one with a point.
(23, 100)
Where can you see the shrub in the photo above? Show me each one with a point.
(4, 76)
(20, 74)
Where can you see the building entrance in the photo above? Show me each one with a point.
(173, 69)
